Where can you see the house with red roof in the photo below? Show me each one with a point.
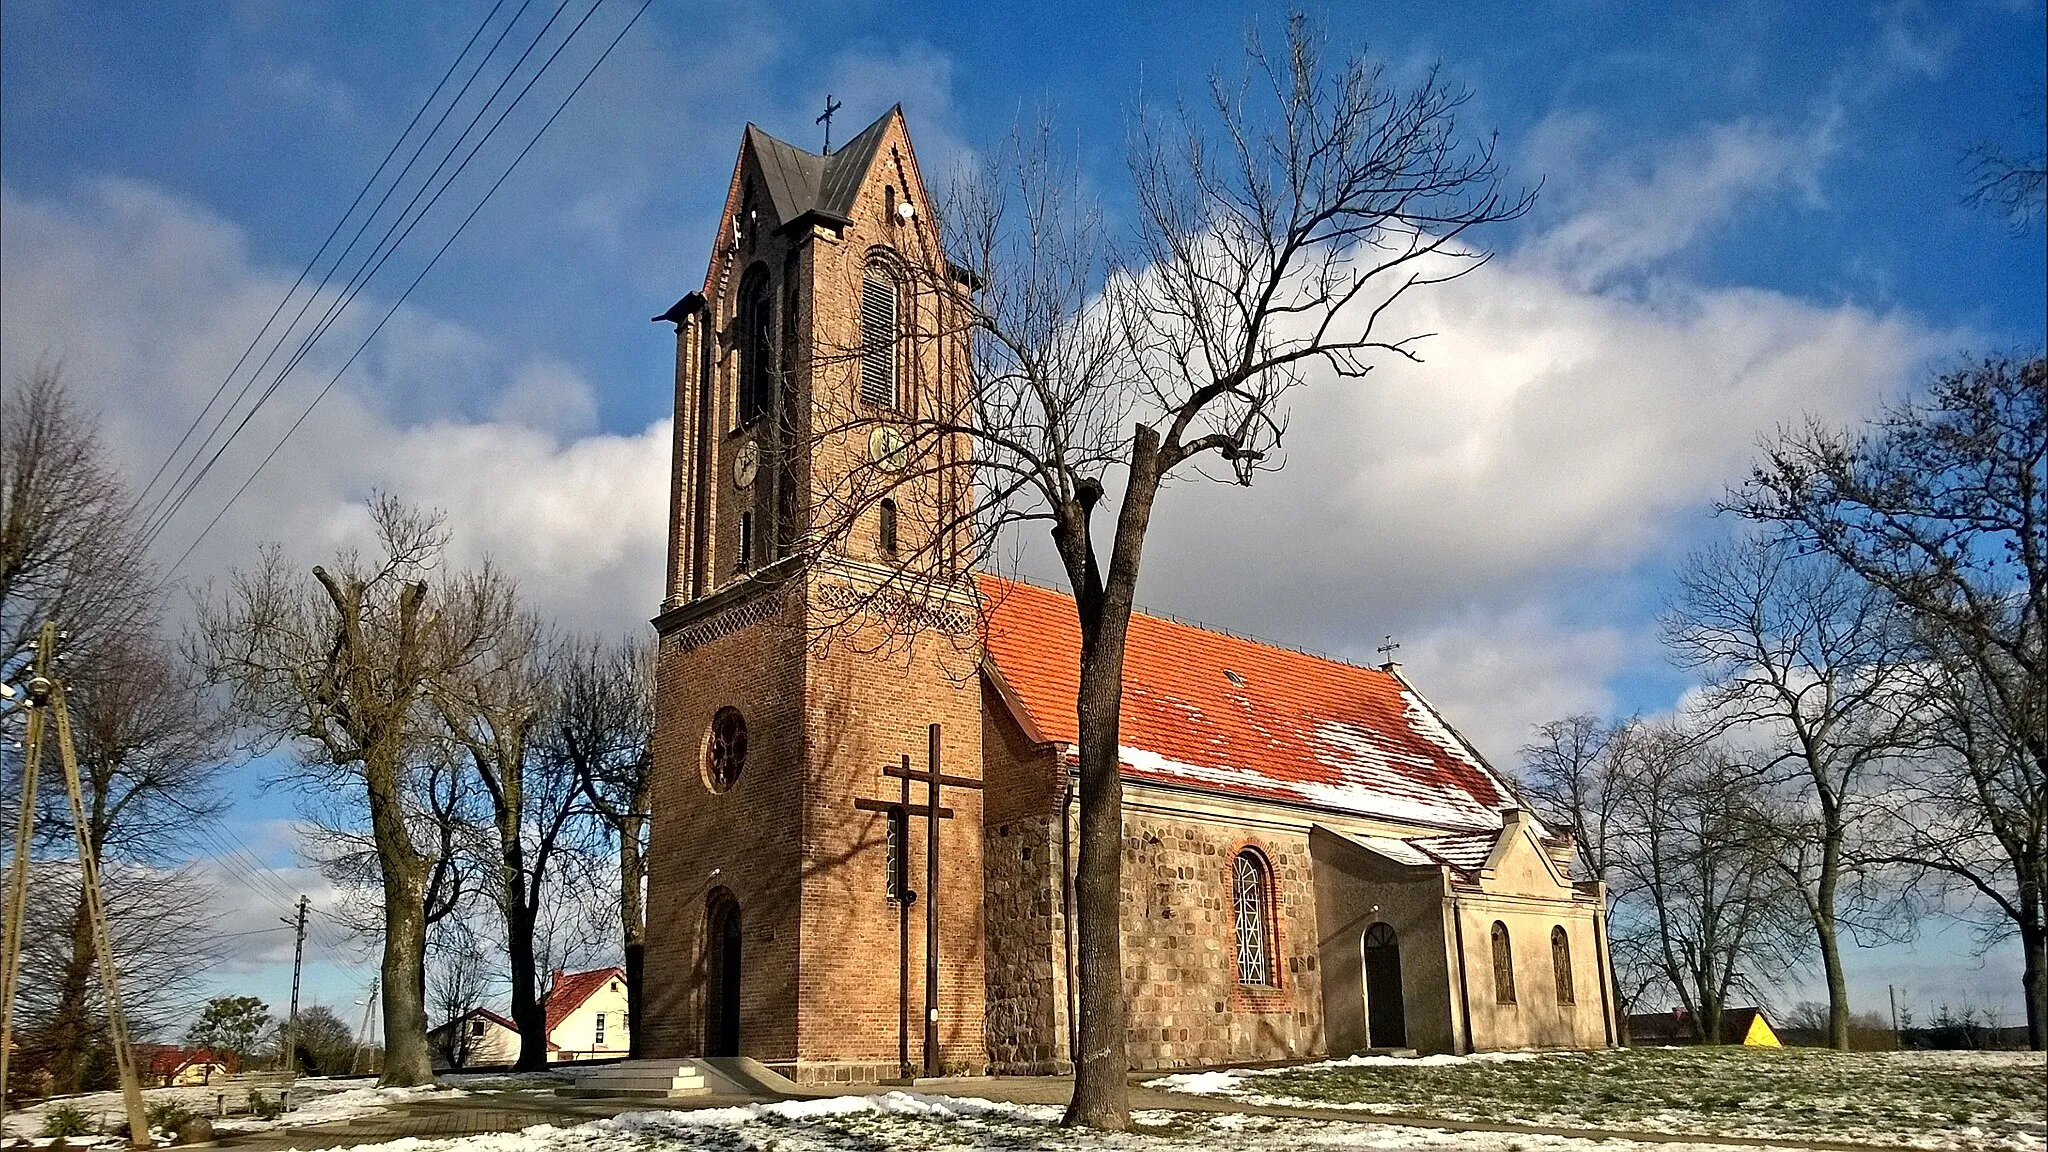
(864, 792)
(586, 1019)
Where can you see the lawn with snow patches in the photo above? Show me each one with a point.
(315, 1100)
(900, 1120)
(1935, 1100)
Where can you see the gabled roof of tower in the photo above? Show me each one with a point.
(1221, 713)
(801, 182)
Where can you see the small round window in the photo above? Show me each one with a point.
(726, 752)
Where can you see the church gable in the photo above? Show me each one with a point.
(1209, 711)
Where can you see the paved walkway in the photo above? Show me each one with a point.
(479, 1112)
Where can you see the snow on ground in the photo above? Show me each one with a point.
(901, 1120)
(1950, 1101)
(315, 1100)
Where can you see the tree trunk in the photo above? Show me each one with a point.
(1101, 1092)
(527, 1010)
(1831, 949)
(633, 922)
(71, 1031)
(408, 1059)
(2034, 979)
(408, 1056)
(1103, 604)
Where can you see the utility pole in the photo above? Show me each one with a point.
(369, 1014)
(291, 1028)
(46, 695)
(1892, 991)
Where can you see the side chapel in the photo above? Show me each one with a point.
(1315, 863)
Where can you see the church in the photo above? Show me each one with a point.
(860, 854)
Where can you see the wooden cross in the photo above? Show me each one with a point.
(831, 106)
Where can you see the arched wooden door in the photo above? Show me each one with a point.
(1386, 1015)
(722, 975)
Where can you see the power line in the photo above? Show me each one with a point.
(169, 504)
(322, 394)
(314, 261)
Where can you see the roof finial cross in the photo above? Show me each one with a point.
(831, 106)
(1388, 648)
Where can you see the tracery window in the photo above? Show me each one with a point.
(725, 753)
(1561, 964)
(1254, 932)
(1503, 965)
(879, 331)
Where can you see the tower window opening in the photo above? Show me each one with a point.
(888, 527)
(746, 557)
(756, 368)
(879, 325)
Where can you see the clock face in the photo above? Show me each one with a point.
(886, 447)
(746, 463)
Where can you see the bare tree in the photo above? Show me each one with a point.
(1570, 770)
(490, 705)
(458, 980)
(601, 729)
(1278, 224)
(1808, 663)
(2008, 184)
(68, 551)
(148, 766)
(1942, 503)
(1699, 891)
(341, 667)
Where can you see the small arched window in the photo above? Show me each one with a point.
(1503, 965)
(1254, 929)
(888, 527)
(879, 330)
(1561, 964)
(756, 374)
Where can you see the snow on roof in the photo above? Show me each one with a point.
(1209, 710)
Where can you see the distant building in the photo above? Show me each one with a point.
(586, 1021)
(170, 1066)
(479, 1039)
(1744, 1026)
(587, 1015)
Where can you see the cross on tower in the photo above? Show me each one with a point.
(831, 106)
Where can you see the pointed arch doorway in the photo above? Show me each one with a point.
(1386, 1014)
(722, 974)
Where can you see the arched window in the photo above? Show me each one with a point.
(1561, 964)
(1503, 965)
(888, 527)
(1254, 928)
(756, 375)
(879, 329)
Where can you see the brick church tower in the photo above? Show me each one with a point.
(787, 858)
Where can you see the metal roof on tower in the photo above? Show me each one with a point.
(801, 183)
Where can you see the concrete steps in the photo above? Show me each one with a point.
(642, 1078)
(701, 1076)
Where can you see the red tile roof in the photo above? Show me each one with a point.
(573, 988)
(1208, 710)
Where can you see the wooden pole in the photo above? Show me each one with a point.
(899, 827)
(17, 881)
(931, 906)
(102, 939)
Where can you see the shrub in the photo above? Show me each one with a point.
(166, 1115)
(66, 1120)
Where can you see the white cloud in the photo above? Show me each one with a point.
(149, 299)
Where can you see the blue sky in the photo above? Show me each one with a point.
(1750, 212)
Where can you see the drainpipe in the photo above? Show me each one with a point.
(1600, 970)
(1464, 988)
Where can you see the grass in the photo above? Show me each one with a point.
(1931, 1100)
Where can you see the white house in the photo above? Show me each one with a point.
(586, 1021)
